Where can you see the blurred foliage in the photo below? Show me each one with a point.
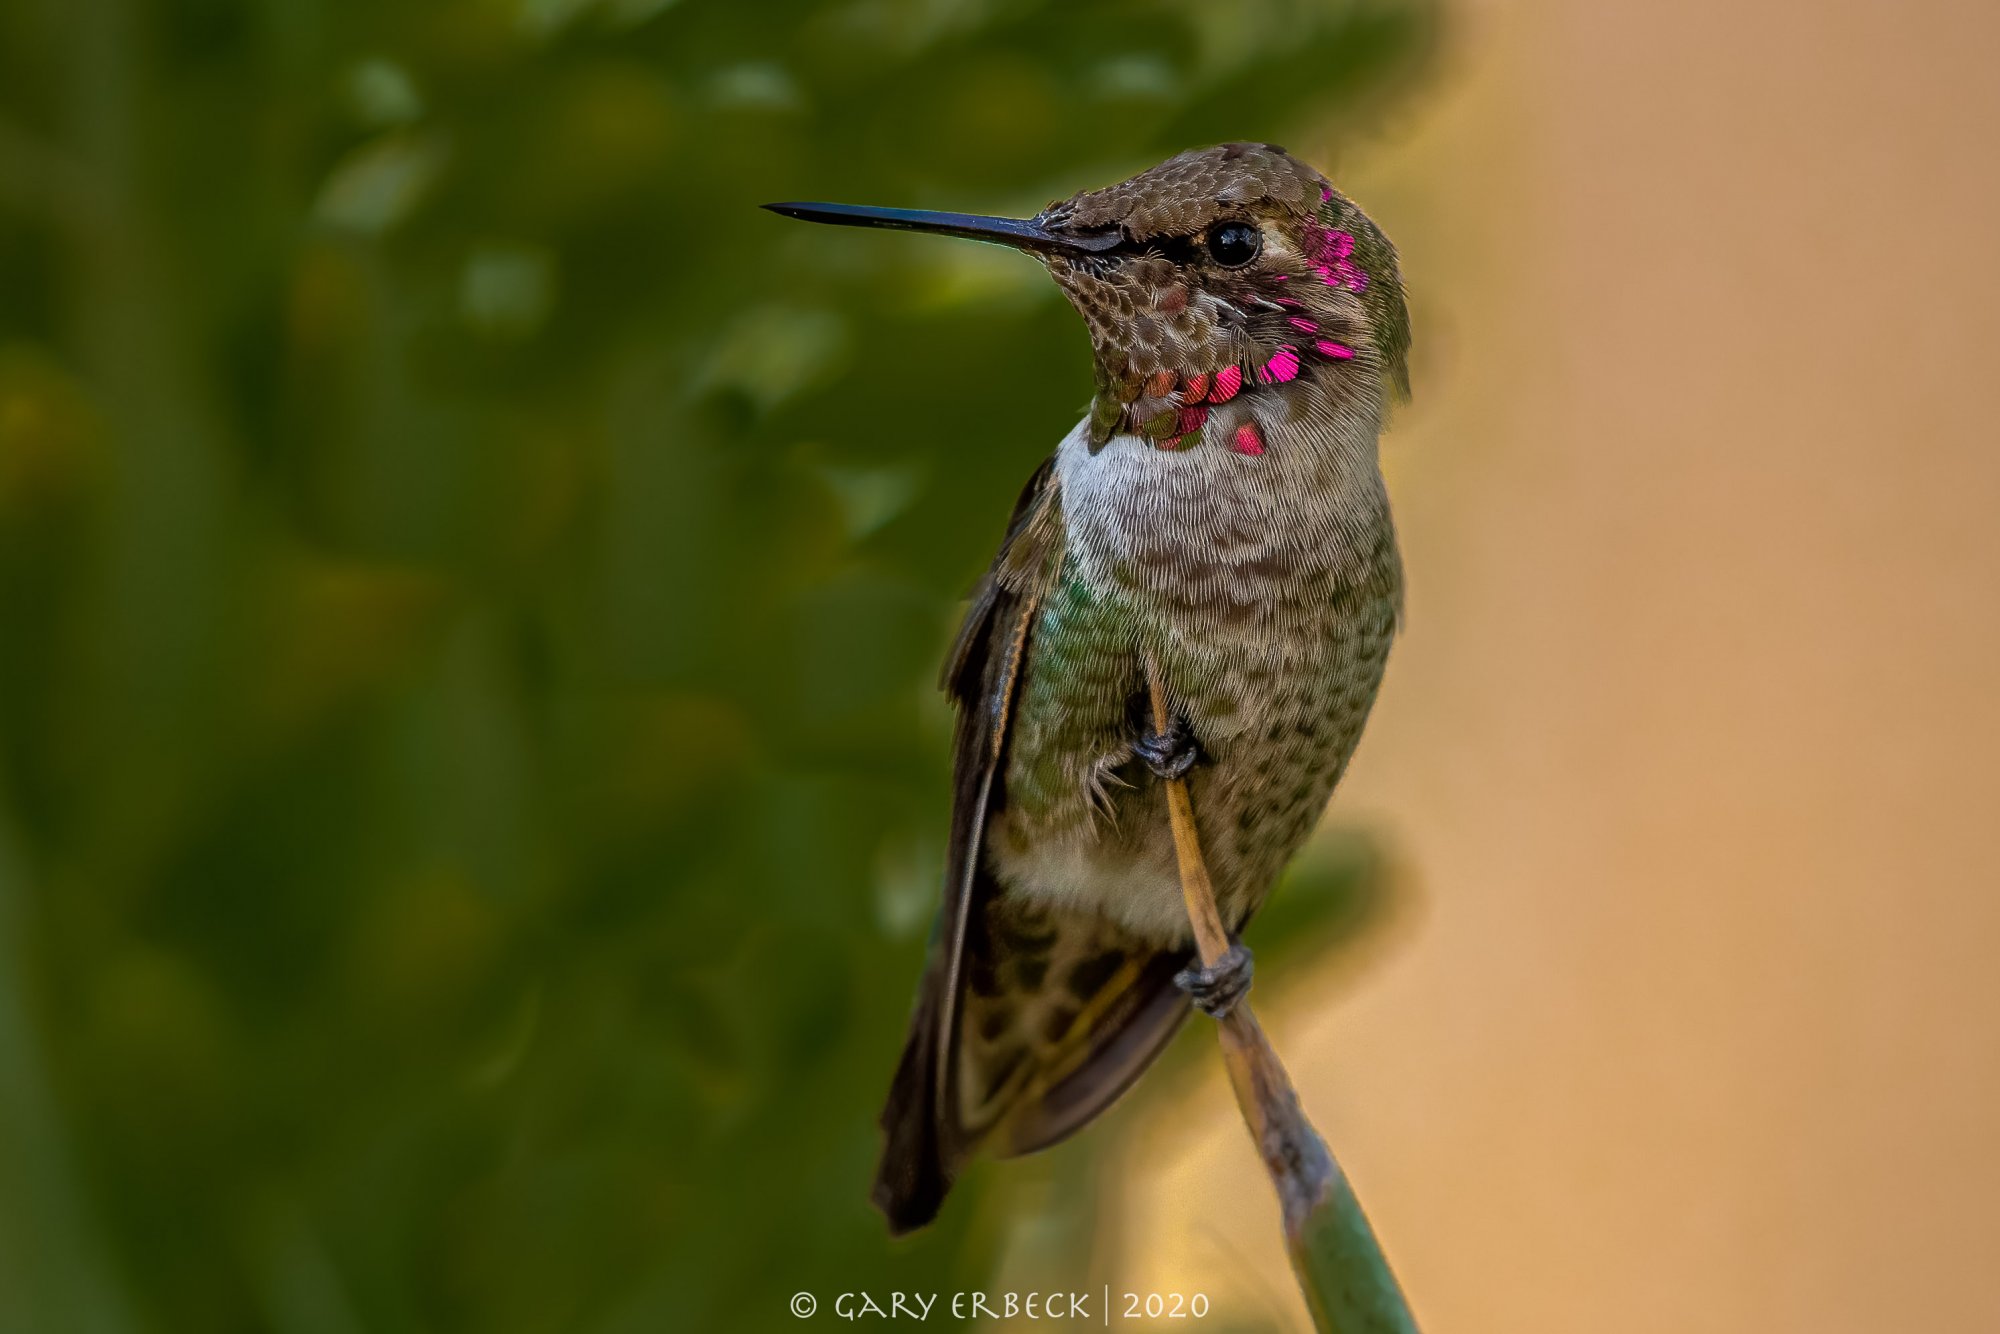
(471, 791)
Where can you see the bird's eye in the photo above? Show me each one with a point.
(1234, 244)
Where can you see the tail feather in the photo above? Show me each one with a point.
(1118, 1047)
(916, 1170)
(1058, 1016)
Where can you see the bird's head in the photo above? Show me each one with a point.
(1223, 271)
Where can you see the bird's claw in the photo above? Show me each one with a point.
(1169, 754)
(1215, 991)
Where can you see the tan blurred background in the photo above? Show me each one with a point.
(1691, 742)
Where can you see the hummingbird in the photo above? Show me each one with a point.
(1217, 521)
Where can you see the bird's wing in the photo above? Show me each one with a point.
(1028, 1022)
(926, 1138)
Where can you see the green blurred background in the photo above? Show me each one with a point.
(471, 788)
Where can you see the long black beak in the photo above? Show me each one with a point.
(1022, 235)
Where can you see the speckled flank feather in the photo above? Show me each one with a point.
(1220, 512)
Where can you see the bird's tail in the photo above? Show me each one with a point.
(917, 1166)
(1056, 1016)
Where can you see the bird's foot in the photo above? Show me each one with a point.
(1169, 754)
(1216, 990)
